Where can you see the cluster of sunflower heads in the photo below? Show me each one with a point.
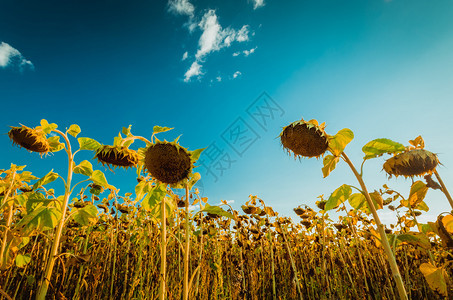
(414, 161)
(32, 139)
(305, 138)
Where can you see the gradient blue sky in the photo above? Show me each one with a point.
(380, 68)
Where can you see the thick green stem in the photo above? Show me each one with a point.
(388, 251)
(186, 248)
(444, 188)
(56, 242)
(163, 250)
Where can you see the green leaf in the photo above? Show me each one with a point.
(88, 144)
(330, 162)
(51, 176)
(378, 147)
(84, 168)
(217, 210)
(46, 127)
(99, 178)
(54, 143)
(339, 196)
(416, 239)
(153, 198)
(74, 130)
(86, 215)
(195, 154)
(141, 189)
(422, 206)
(127, 131)
(26, 176)
(338, 142)
(157, 129)
(40, 219)
(34, 200)
(22, 260)
(357, 201)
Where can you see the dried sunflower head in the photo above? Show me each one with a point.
(31, 139)
(416, 162)
(168, 162)
(305, 138)
(116, 156)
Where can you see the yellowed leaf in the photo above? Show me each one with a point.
(435, 278)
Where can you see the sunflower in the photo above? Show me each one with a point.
(168, 162)
(307, 139)
(116, 156)
(415, 162)
(33, 140)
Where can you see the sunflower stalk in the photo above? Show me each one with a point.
(444, 188)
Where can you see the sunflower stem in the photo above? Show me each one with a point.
(388, 251)
(444, 189)
(186, 250)
(163, 250)
(10, 217)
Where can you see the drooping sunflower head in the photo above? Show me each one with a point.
(31, 139)
(305, 138)
(116, 156)
(415, 162)
(168, 162)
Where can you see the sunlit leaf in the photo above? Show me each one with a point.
(141, 189)
(153, 198)
(330, 162)
(377, 200)
(99, 178)
(195, 154)
(217, 210)
(84, 168)
(448, 223)
(86, 215)
(88, 144)
(340, 195)
(51, 176)
(46, 127)
(422, 206)
(40, 219)
(54, 143)
(22, 260)
(74, 130)
(357, 201)
(416, 195)
(157, 129)
(338, 142)
(435, 278)
(378, 147)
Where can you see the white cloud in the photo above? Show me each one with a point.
(236, 74)
(194, 70)
(215, 38)
(10, 56)
(181, 7)
(236, 53)
(248, 52)
(185, 55)
(218, 78)
(258, 3)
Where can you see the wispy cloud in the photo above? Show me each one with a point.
(214, 38)
(181, 7)
(236, 74)
(185, 55)
(245, 52)
(194, 70)
(11, 57)
(258, 4)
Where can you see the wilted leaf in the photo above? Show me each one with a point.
(217, 210)
(422, 206)
(435, 278)
(85, 168)
(447, 221)
(378, 147)
(74, 130)
(338, 142)
(330, 162)
(417, 193)
(340, 195)
(415, 239)
(88, 144)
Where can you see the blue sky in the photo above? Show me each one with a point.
(380, 68)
